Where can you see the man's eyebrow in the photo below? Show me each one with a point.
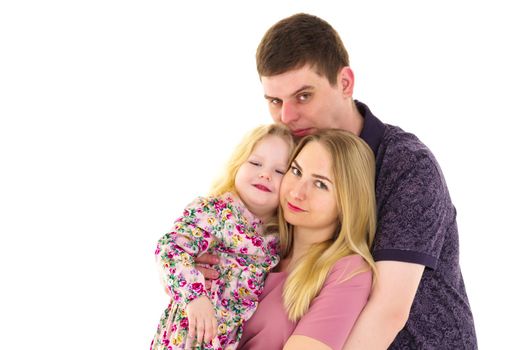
(301, 89)
(317, 176)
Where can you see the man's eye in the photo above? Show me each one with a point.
(321, 185)
(295, 171)
(275, 101)
(303, 97)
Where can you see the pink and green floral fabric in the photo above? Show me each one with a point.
(224, 227)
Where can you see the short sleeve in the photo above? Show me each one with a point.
(413, 215)
(333, 312)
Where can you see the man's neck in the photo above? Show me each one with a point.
(355, 121)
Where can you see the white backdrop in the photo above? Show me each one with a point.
(115, 114)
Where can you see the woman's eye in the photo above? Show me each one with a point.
(295, 171)
(321, 185)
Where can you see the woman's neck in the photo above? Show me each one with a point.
(302, 241)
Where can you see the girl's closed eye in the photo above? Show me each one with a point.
(280, 172)
(253, 162)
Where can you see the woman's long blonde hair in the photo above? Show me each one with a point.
(353, 167)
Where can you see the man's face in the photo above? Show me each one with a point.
(305, 101)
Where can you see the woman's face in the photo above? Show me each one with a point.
(307, 193)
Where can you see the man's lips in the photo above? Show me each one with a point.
(302, 132)
(262, 188)
(294, 208)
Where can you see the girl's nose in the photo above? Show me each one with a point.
(265, 176)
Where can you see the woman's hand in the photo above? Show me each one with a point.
(202, 323)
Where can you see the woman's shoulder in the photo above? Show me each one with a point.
(353, 260)
(352, 267)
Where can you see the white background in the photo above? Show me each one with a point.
(115, 114)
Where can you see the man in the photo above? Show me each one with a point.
(418, 300)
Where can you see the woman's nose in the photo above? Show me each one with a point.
(299, 191)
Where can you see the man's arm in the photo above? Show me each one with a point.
(209, 274)
(388, 308)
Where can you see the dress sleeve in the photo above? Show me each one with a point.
(176, 251)
(333, 312)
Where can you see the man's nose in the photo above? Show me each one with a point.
(288, 113)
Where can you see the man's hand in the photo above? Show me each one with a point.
(209, 274)
(202, 323)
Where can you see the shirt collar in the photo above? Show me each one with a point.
(373, 128)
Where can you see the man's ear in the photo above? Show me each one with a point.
(346, 79)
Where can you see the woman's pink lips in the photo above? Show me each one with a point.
(294, 208)
(262, 188)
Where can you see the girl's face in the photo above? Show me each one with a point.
(308, 193)
(259, 179)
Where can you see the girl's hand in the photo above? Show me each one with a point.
(202, 323)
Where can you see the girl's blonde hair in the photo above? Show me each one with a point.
(226, 182)
(353, 168)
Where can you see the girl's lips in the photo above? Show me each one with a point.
(262, 188)
(294, 208)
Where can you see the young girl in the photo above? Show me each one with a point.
(237, 223)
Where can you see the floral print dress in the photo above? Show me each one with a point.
(222, 226)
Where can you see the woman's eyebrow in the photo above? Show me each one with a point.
(317, 176)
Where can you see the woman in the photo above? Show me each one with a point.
(327, 214)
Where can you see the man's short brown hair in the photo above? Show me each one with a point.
(299, 40)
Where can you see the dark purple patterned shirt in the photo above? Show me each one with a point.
(417, 224)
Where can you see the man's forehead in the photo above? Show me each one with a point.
(291, 82)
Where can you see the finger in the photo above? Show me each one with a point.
(191, 331)
(200, 331)
(207, 331)
(207, 259)
(215, 328)
(211, 326)
(209, 274)
(189, 344)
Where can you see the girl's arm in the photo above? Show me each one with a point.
(176, 251)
